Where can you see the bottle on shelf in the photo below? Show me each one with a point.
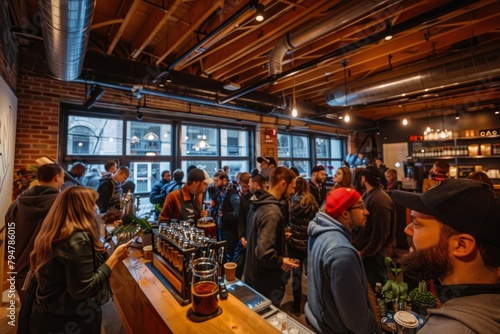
(379, 295)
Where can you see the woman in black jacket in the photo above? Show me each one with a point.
(303, 208)
(68, 259)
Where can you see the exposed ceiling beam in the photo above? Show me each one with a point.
(130, 13)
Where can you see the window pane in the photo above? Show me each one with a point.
(94, 136)
(322, 148)
(337, 150)
(149, 139)
(233, 143)
(284, 144)
(145, 174)
(300, 147)
(199, 141)
(302, 166)
(235, 167)
(211, 166)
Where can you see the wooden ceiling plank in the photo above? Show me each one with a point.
(200, 11)
(130, 14)
(105, 23)
(240, 48)
(156, 21)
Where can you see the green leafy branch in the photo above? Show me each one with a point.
(136, 227)
(395, 289)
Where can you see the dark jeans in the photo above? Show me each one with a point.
(231, 241)
(297, 275)
(240, 254)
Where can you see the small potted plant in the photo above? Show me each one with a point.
(136, 226)
(395, 290)
(422, 299)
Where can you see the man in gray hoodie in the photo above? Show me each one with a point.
(455, 240)
(337, 286)
(27, 213)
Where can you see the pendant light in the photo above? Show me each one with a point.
(344, 63)
(294, 103)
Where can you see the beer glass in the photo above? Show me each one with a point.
(204, 287)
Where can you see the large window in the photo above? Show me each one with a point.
(294, 150)
(150, 146)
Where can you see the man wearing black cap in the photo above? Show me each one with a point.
(187, 203)
(267, 164)
(455, 239)
(377, 239)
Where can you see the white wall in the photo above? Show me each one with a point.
(396, 153)
(8, 117)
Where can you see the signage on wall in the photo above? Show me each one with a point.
(490, 132)
(270, 135)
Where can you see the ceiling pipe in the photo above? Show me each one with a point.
(341, 17)
(113, 72)
(66, 30)
(129, 76)
(250, 5)
(348, 48)
(442, 74)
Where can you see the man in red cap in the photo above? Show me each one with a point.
(337, 286)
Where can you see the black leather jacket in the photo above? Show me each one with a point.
(75, 277)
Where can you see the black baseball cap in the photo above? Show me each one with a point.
(372, 174)
(268, 159)
(467, 206)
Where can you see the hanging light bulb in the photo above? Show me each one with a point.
(347, 118)
(259, 15)
(294, 110)
(428, 129)
(405, 122)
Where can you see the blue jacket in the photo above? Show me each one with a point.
(337, 286)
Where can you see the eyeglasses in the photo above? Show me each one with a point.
(361, 206)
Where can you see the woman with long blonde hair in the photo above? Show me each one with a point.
(69, 261)
(303, 208)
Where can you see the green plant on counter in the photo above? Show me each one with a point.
(395, 290)
(422, 297)
(137, 226)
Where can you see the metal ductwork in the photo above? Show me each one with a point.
(444, 73)
(66, 30)
(340, 18)
(123, 74)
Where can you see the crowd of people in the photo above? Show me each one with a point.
(277, 226)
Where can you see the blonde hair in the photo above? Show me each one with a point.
(73, 210)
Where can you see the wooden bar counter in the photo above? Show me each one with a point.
(146, 306)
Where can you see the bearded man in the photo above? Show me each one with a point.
(455, 240)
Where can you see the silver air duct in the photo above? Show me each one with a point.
(340, 18)
(66, 29)
(444, 73)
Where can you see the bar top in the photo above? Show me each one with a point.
(236, 317)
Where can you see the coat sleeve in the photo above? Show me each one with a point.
(156, 197)
(350, 293)
(81, 280)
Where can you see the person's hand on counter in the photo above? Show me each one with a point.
(289, 263)
(120, 254)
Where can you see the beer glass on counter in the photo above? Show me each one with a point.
(204, 287)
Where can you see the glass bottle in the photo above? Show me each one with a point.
(379, 295)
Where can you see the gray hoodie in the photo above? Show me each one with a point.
(465, 315)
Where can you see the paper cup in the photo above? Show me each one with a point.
(148, 252)
(230, 270)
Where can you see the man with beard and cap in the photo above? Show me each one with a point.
(455, 239)
(28, 212)
(337, 290)
(266, 266)
(187, 203)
